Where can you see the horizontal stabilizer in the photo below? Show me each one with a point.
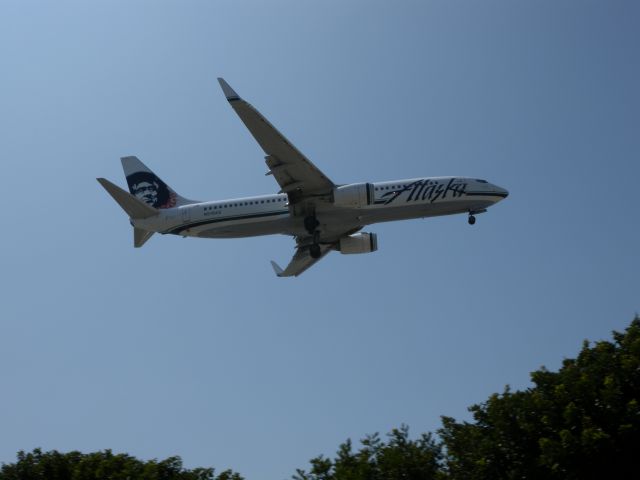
(140, 236)
(135, 208)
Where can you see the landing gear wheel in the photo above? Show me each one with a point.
(311, 223)
(314, 251)
(472, 220)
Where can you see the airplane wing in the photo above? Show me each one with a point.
(302, 259)
(294, 172)
(300, 262)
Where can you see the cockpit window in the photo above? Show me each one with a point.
(481, 181)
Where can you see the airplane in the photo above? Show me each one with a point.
(321, 215)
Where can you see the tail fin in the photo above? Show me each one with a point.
(148, 187)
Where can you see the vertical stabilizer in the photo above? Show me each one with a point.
(148, 187)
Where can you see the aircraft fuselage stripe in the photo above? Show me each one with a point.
(486, 194)
(187, 226)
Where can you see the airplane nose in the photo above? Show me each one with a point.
(503, 192)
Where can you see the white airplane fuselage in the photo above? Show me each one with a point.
(270, 214)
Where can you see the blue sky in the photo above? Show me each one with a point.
(193, 347)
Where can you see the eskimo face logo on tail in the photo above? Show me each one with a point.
(151, 190)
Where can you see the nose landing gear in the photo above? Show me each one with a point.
(473, 213)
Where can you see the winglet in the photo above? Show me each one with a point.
(228, 91)
(277, 269)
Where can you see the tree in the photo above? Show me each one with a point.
(105, 465)
(398, 458)
(580, 422)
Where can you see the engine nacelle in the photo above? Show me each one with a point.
(355, 195)
(358, 243)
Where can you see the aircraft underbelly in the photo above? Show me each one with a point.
(250, 228)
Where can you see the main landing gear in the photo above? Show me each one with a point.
(311, 224)
(472, 219)
(314, 251)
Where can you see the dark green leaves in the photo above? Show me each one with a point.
(578, 423)
(104, 466)
(398, 458)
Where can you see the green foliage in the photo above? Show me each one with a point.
(580, 422)
(104, 466)
(398, 458)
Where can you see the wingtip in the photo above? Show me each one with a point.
(229, 92)
(276, 268)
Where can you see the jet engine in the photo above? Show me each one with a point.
(355, 195)
(358, 243)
